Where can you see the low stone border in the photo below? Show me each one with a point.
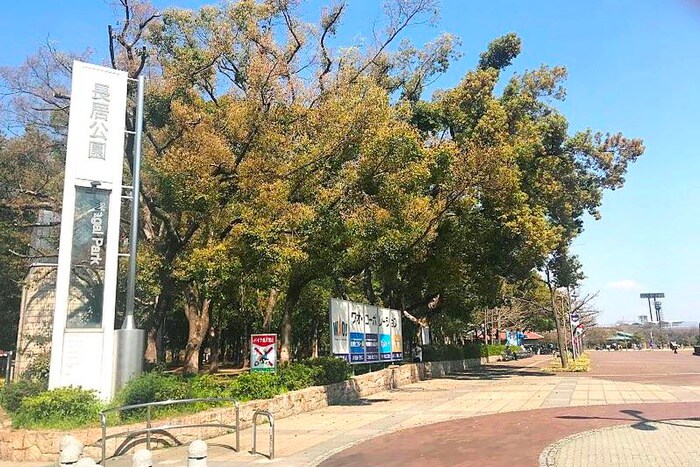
(43, 445)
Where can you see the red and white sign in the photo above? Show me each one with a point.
(263, 353)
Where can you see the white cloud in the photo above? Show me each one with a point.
(624, 284)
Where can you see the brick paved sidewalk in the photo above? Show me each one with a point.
(466, 398)
(519, 438)
(307, 439)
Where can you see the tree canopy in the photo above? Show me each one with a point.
(279, 171)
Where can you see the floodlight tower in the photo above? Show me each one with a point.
(657, 305)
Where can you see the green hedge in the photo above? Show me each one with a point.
(63, 408)
(433, 353)
(329, 370)
(32, 406)
(299, 376)
(12, 394)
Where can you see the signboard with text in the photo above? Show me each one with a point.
(363, 333)
(263, 353)
(82, 345)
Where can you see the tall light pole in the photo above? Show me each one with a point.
(130, 341)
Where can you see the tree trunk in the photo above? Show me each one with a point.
(561, 337)
(291, 300)
(269, 309)
(369, 288)
(314, 342)
(197, 313)
(214, 347)
(151, 354)
(246, 347)
(164, 305)
(286, 336)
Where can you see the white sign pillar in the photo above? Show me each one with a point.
(83, 330)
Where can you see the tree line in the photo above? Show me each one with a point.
(282, 168)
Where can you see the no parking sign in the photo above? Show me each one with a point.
(263, 353)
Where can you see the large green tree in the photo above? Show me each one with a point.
(278, 170)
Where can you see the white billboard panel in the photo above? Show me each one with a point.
(371, 317)
(357, 332)
(371, 334)
(340, 346)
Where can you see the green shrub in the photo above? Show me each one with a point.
(297, 376)
(207, 386)
(64, 408)
(152, 387)
(329, 370)
(433, 353)
(12, 394)
(491, 350)
(38, 368)
(472, 350)
(249, 386)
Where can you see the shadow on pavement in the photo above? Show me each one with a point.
(496, 372)
(360, 402)
(643, 423)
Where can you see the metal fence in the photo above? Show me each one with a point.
(150, 428)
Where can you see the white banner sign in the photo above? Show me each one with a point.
(364, 333)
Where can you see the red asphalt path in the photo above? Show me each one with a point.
(506, 439)
(644, 366)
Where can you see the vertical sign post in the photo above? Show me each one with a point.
(82, 343)
(263, 353)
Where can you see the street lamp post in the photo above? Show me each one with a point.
(130, 341)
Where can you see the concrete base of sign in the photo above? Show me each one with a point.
(129, 346)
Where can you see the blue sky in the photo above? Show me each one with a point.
(634, 66)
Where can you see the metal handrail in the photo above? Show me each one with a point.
(270, 419)
(149, 429)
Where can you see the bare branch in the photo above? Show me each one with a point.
(329, 24)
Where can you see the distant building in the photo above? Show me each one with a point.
(642, 319)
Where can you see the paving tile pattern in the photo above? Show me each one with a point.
(671, 443)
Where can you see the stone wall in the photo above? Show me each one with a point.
(36, 316)
(26, 445)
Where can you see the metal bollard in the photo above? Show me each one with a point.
(142, 458)
(271, 419)
(69, 439)
(197, 454)
(70, 455)
(86, 462)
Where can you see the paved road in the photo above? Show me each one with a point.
(647, 366)
(502, 440)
